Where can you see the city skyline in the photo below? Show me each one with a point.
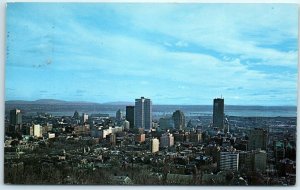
(118, 52)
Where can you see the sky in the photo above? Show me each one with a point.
(171, 53)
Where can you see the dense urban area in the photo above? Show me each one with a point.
(133, 148)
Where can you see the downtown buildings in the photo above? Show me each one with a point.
(199, 151)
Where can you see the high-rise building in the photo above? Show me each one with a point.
(166, 140)
(130, 115)
(15, 117)
(218, 113)
(143, 113)
(257, 139)
(118, 115)
(229, 161)
(179, 119)
(37, 131)
(154, 145)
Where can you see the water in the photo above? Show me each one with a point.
(161, 110)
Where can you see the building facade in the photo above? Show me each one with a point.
(257, 139)
(260, 160)
(37, 131)
(218, 113)
(179, 119)
(118, 115)
(166, 140)
(15, 117)
(143, 113)
(229, 161)
(154, 145)
(130, 115)
(85, 117)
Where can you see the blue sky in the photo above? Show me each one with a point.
(171, 53)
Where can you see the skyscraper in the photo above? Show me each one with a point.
(15, 117)
(130, 115)
(218, 113)
(179, 119)
(143, 113)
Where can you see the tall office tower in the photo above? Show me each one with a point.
(218, 113)
(229, 161)
(257, 139)
(143, 113)
(154, 145)
(179, 119)
(130, 115)
(15, 117)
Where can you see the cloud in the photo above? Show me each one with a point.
(181, 44)
(200, 52)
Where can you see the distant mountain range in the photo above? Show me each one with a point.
(62, 102)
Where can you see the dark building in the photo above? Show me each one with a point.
(15, 117)
(76, 115)
(130, 115)
(15, 120)
(218, 113)
(258, 139)
(179, 119)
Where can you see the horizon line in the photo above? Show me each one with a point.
(132, 103)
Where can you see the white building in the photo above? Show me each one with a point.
(229, 161)
(154, 145)
(37, 131)
(143, 113)
(51, 135)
